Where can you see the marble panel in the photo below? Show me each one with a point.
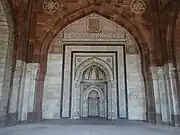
(52, 87)
(14, 101)
(136, 89)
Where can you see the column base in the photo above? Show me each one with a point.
(2, 121)
(158, 118)
(11, 118)
(175, 120)
(32, 116)
(150, 117)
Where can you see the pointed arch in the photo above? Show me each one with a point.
(117, 18)
(110, 14)
(94, 62)
(95, 88)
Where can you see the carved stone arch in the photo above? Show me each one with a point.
(110, 14)
(7, 59)
(94, 62)
(95, 88)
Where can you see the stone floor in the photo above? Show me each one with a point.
(89, 127)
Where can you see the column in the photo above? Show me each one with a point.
(29, 92)
(154, 72)
(110, 100)
(75, 108)
(175, 107)
(16, 89)
(163, 95)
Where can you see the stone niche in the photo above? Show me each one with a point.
(94, 69)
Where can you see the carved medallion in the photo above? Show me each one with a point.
(138, 6)
(50, 6)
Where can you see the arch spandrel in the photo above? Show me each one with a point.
(61, 24)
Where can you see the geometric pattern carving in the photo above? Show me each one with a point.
(138, 6)
(94, 25)
(50, 6)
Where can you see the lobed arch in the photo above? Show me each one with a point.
(94, 62)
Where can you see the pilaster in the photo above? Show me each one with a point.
(173, 93)
(155, 84)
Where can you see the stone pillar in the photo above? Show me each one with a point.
(150, 99)
(101, 104)
(114, 100)
(110, 100)
(81, 98)
(27, 101)
(105, 101)
(154, 71)
(15, 95)
(163, 95)
(22, 97)
(85, 107)
(175, 107)
(75, 109)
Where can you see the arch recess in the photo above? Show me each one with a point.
(95, 88)
(110, 14)
(94, 62)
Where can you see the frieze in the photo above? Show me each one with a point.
(107, 36)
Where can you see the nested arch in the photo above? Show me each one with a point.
(93, 62)
(110, 14)
(130, 27)
(93, 88)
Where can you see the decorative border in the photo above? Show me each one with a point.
(125, 75)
